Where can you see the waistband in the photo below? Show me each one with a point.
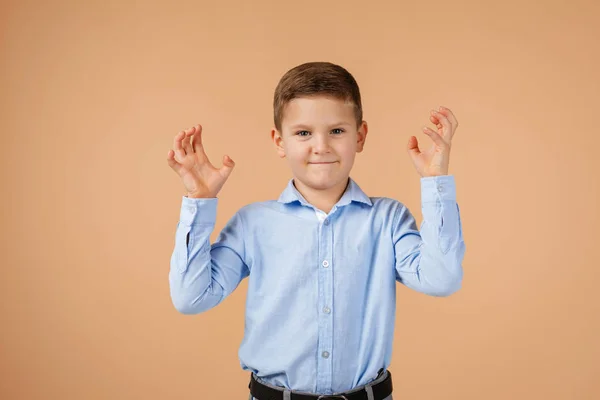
(378, 389)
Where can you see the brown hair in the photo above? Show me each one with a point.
(314, 78)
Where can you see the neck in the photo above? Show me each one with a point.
(323, 199)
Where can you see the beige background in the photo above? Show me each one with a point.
(92, 94)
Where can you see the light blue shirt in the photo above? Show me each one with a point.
(321, 300)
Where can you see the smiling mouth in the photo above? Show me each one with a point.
(330, 162)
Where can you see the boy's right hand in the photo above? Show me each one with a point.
(200, 178)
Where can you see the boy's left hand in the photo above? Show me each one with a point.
(434, 161)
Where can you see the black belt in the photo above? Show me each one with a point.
(381, 390)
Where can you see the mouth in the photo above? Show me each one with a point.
(323, 162)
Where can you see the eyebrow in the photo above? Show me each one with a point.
(308, 126)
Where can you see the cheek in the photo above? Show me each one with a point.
(297, 153)
(348, 151)
(349, 158)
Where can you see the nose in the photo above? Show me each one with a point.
(321, 144)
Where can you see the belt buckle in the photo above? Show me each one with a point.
(332, 397)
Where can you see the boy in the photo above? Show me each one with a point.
(323, 259)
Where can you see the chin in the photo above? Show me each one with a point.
(322, 182)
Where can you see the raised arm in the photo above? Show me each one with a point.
(201, 275)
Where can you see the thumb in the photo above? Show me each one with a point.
(413, 147)
(227, 167)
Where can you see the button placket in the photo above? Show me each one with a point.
(326, 287)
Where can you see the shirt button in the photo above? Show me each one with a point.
(325, 354)
(326, 310)
(440, 188)
(325, 263)
(326, 222)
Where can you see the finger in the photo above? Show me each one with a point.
(451, 118)
(197, 142)
(450, 115)
(187, 146)
(177, 148)
(227, 167)
(447, 126)
(198, 146)
(436, 137)
(436, 122)
(172, 162)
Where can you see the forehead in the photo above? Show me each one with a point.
(313, 109)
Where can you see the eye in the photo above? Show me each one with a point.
(301, 133)
(337, 131)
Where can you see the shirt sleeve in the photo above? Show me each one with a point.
(430, 260)
(202, 275)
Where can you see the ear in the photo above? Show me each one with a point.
(361, 136)
(278, 142)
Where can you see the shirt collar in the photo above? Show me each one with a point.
(352, 193)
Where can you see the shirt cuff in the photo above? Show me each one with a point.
(438, 188)
(198, 211)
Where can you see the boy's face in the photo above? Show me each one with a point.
(320, 139)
